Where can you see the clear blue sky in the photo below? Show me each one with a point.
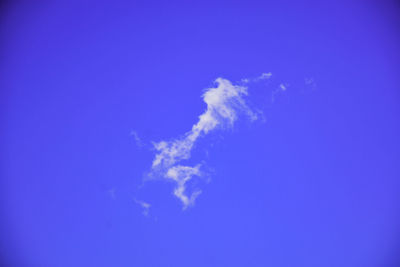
(315, 184)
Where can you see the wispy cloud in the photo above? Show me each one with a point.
(225, 103)
(263, 76)
(279, 90)
(138, 141)
(181, 174)
(310, 82)
(146, 206)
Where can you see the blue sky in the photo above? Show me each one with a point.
(89, 90)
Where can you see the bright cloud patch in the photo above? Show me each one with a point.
(224, 104)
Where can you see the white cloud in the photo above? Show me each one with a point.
(182, 174)
(138, 141)
(146, 206)
(265, 76)
(224, 103)
(277, 91)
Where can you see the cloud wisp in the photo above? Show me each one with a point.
(146, 206)
(137, 139)
(225, 103)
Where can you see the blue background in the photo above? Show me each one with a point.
(317, 184)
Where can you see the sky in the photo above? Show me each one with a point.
(208, 133)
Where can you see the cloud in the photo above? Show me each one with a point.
(146, 206)
(138, 141)
(282, 88)
(310, 82)
(263, 76)
(182, 174)
(225, 103)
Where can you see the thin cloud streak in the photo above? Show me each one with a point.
(224, 104)
(138, 141)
